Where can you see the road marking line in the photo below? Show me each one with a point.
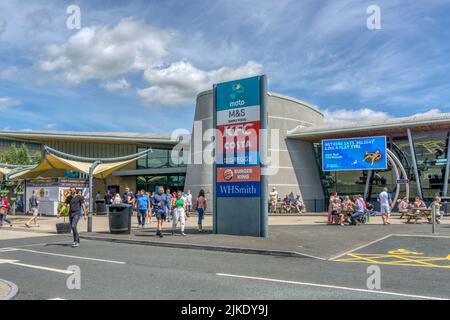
(71, 256)
(331, 287)
(310, 256)
(56, 299)
(421, 236)
(7, 250)
(17, 263)
(401, 260)
(360, 247)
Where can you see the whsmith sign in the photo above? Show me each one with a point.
(240, 190)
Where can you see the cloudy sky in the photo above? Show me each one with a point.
(137, 66)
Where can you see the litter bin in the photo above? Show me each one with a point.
(100, 207)
(120, 218)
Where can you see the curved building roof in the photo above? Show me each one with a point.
(352, 128)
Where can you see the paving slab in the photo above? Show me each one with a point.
(317, 240)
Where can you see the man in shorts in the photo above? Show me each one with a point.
(384, 198)
(143, 207)
(34, 203)
(159, 202)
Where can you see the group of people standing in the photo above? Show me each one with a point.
(164, 206)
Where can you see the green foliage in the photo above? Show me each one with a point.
(19, 156)
(65, 212)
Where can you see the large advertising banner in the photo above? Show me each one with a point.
(367, 153)
(237, 142)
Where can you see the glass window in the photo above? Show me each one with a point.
(161, 158)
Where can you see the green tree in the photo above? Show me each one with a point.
(18, 156)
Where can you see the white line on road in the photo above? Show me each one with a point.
(330, 286)
(32, 266)
(360, 247)
(71, 256)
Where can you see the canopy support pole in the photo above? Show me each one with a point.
(91, 200)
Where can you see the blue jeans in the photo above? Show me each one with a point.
(141, 214)
(3, 217)
(168, 211)
(355, 216)
(200, 212)
(73, 219)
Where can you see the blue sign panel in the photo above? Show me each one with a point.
(354, 154)
(238, 189)
(238, 94)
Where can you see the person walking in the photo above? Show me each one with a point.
(189, 202)
(34, 203)
(128, 196)
(201, 208)
(143, 207)
(75, 203)
(108, 198)
(384, 198)
(160, 204)
(4, 207)
(179, 214)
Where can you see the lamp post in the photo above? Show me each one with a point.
(91, 197)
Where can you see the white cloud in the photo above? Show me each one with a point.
(116, 85)
(180, 81)
(109, 53)
(105, 52)
(9, 102)
(348, 116)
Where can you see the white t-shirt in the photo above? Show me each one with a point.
(384, 199)
(273, 195)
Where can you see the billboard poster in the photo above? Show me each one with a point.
(368, 153)
(238, 110)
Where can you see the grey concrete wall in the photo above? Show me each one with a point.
(297, 170)
(199, 175)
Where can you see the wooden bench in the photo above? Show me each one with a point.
(417, 214)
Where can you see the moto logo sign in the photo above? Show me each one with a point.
(235, 104)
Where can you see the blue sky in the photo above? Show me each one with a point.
(136, 66)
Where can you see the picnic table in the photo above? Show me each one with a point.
(347, 213)
(417, 214)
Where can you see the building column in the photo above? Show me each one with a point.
(414, 160)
